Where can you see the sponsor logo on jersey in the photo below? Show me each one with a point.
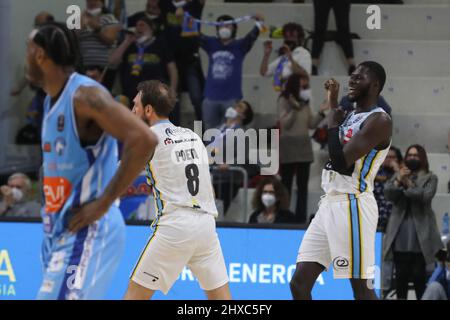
(340, 263)
(56, 191)
(348, 135)
(47, 147)
(168, 141)
(60, 145)
(60, 123)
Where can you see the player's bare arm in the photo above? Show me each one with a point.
(95, 107)
(375, 133)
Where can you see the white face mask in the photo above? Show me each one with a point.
(224, 33)
(143, 39)
(152, 16)
(94, 12)
(305, 94)
(17, 194)
(231, 113)
(179, 4)
(268, 199)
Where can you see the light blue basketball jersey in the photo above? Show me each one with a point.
(72, 174)
(81, 265)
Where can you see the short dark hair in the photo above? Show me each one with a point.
(248, 113)
(377, 71)
(226, 17)
(59, 43)
(398, 153)
(157, 94)
(424, 165)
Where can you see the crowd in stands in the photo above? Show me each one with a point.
(121, 51)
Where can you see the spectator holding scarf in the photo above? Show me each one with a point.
(223, 87)
(144, 56)
(292, 57)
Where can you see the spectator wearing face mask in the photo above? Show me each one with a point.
(98, 34)
(15, 201)
(271, 203)
(295, 119)
(226, 54)
(390, 166)
(153, 12)
(227, 182)
(144, 56)
(412, 237)
(292, 57)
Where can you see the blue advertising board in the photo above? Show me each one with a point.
(260, 264)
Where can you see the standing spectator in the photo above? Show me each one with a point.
(412, 235)
(185, 49)
(390, 166)
(144, 56)
(271, 203)
(15, 202)
(292, 57)
(227, 182)
(341, 9)
(296, 154)
(226, 55)
(99, 32)
(153, 12)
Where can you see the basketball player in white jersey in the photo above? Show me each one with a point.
(184, 231)
(342, 232)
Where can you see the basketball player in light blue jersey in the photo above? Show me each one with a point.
(342, 233)
(84, 232)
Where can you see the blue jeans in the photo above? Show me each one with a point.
(214, 112)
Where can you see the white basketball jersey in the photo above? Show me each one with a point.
(179, 171)
(361, 175)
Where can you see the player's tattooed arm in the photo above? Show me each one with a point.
(95, 104)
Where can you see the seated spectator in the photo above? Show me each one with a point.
(144, 56)
(226, 181)
(185, 49)
(15, 202)
(390, 166)
(223, 87)
(153, 12)
(99, 31)
(412, 236)
(271, 203)
(292, 57)
(296, 153)
(438, 287)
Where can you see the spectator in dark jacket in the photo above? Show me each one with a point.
(226, 55)
(271, 203)
(412, 235)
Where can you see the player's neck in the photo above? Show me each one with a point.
(365, 105)
(55, 81)
(157, 120)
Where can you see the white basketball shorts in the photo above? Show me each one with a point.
(343, 233)
(182, 238)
